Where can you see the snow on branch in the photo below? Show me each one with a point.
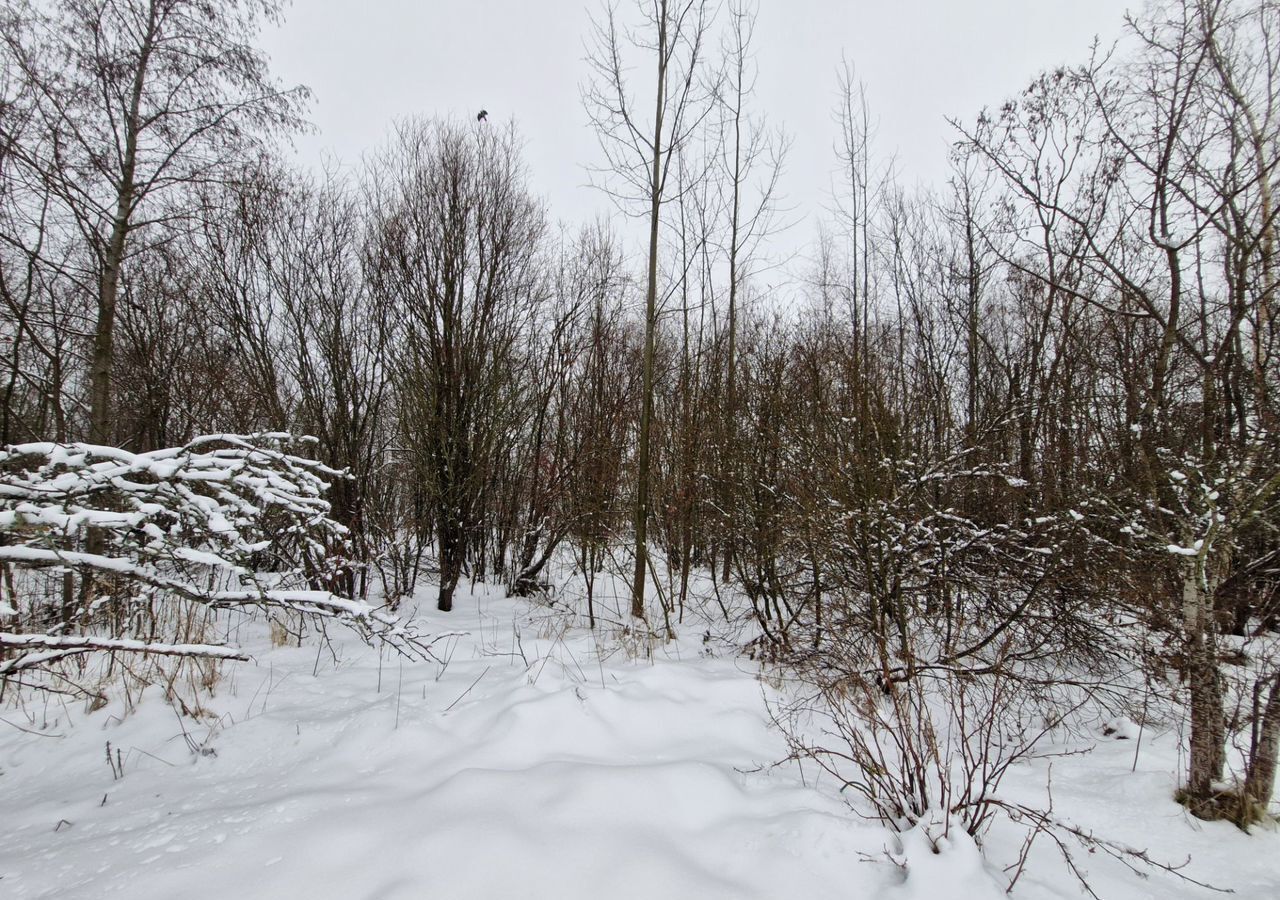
(224, 521)
(51, 647)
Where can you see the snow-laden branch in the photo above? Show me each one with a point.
(53, 647)
(226, 520)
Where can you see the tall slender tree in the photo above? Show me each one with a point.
(752, 158)
(639, 162)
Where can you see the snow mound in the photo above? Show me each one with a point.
(939, 862)
(554, 768)
(533, 760)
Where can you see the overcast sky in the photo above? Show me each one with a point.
(372, 61)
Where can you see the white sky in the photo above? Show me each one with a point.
(372, 61)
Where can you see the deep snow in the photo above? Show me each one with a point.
(534, 760)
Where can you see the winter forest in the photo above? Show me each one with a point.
(372, 532)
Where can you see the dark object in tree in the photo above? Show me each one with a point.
(482, 115)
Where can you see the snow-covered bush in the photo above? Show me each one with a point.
(953, 651)
(954, 645)
(934, 678)
(105, 551)
(931, 747)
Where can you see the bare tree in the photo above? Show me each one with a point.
(752, 159)
(455, 249)
(283, 266)
(856, 195)
(1156, 212)
(599, 398)
(639, 160)
(130, 102)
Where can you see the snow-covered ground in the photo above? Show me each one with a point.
(535, 760)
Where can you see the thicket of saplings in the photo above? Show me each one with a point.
(983, 461)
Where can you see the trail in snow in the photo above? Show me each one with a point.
(558, 774)
(531, 762)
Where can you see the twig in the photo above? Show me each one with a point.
(468, 690)
(30, 731)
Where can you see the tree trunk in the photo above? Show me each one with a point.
(650, 329)
(100, 418)
(451, 550)
(731, 371)
(1260, 775)
(1208, 728)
